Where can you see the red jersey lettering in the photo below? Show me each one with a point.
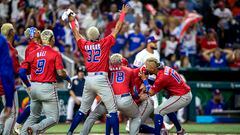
(43, 64)
(121, 80)
(96, 54)
(31, 47)
(170, 80)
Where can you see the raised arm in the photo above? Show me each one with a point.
(73, 24)
(229, 54)
(206, 54)
(120, 20)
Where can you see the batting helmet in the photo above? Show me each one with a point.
(30, 32)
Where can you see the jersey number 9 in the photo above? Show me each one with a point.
(40, 66)
(93, 55)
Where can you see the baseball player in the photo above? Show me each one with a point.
(168, 79)
(33, 34)
(8, 31)
(121, 80)
(6, 84)
(44, 63)
(96, 54)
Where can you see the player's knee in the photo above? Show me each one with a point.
(160, 111)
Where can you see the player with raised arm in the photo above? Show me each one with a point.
(44, 64)
(96, 55)
(121, 81)
(179, 92)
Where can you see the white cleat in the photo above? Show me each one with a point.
(168, 126)
(17, 128)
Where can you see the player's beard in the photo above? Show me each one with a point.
(154, 48)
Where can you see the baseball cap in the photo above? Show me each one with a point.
(81, 69)
(151, 39)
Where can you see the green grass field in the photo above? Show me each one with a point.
(190, 128)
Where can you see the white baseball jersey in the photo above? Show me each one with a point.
(142, 56)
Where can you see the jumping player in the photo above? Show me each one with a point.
(179, 92)
(33, 35)
(96, 54)
(121, 80)
(44, 63)
(8, 31)
(6, 84)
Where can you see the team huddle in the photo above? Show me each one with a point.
(120, 87)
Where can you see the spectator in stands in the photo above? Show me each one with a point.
(225, 16)
(219, 59)
(82, 13)
(59, 34)
(75, 92)
(19, 38)
(209, 41)
(91, 19)
(216, 104)
(137, 6)
(236, 59)
(136, 42)
(180, 11)
(68, 51)
(121, 40)
(183, 62)
(189, 45)
(171, 45)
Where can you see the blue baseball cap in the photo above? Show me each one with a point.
(151, 39)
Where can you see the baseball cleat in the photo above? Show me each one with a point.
(182, 132)
(168, 126)
(17, 129)
(164, 132)
(29, 131)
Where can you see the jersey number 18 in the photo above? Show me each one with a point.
(119, 77)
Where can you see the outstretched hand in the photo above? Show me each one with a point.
(125, 8)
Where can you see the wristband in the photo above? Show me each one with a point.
(145, 82)
(122, 16)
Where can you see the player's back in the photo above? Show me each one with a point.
(172, 81)
(96, 54)
(43, 63)
(121, 80)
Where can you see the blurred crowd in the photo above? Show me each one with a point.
(214, 41)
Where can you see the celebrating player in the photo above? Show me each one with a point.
(8, 31)
(168, 79)
(121, 80)
(6, 84)
(96, 54)
(44, 63)
(33, 34)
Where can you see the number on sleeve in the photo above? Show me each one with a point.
(176, 76)
(40, 66)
